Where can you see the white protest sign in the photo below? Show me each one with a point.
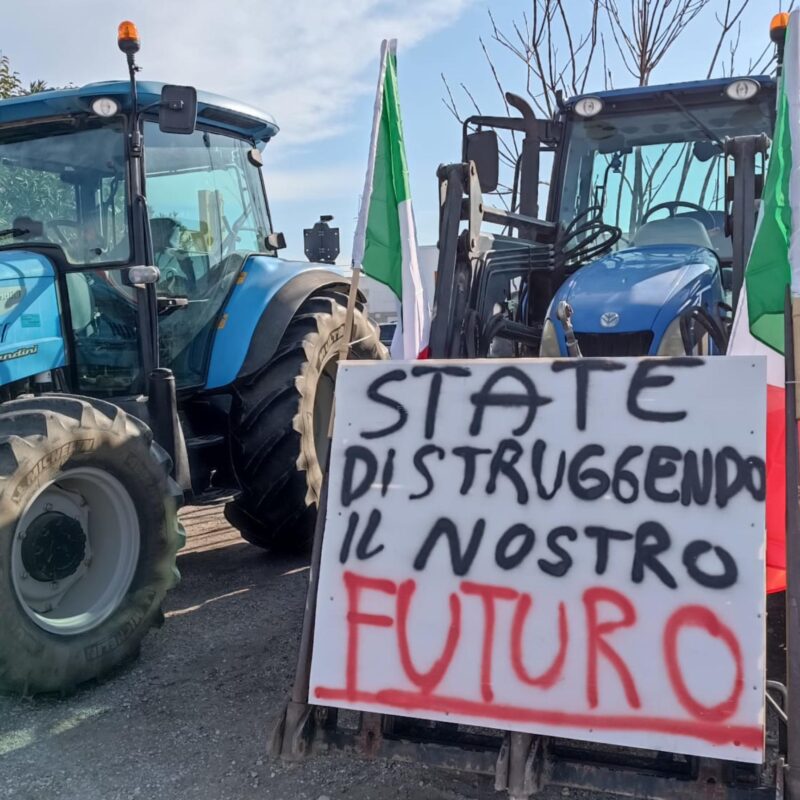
(573, 548)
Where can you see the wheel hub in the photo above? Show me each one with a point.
(75, 551)
(54, 547)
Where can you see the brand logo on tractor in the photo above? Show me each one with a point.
(610, 319)
(19, 353)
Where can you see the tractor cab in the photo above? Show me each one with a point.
(78, 194)
(653, 163)
(628, 236)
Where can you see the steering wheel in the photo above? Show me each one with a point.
(591, 238)
(671, 206)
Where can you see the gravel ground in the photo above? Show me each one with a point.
(189, 719)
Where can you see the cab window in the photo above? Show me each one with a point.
(207, 213)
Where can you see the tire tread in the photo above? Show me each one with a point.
(273, 511)
(27, 420)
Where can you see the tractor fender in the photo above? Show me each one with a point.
(268, 293)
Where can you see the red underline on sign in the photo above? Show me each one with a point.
(714, 733)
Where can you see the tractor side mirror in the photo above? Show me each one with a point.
(483, 151)
(276, 241)
(706, 150)
(177, 112)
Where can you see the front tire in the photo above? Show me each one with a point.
(280, 419)
(88, 538)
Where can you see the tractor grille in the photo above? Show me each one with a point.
(636, 343)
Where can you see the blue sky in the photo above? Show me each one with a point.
(313, 65)
(432, 134)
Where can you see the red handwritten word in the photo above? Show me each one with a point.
(705, 722)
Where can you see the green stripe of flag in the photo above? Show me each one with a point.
(768, 270)
(383, 257)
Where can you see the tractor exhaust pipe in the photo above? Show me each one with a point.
(162, 407)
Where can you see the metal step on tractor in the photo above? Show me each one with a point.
(638, 249)
(153, 347)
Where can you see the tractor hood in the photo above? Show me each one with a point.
(632, 289)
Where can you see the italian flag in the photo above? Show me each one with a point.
(385, 244)
(774, 264)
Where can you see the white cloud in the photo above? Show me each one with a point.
(305, 61)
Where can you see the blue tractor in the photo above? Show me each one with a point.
(636, 252)
(153, 347)
(671, 281)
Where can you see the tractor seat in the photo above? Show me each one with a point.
(673, 230)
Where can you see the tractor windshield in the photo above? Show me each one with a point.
(64, 183)
(656, 174)
(207, 212)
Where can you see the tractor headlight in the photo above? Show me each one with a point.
(549, 347)
(672, 341)
(743, 89)
(588, 106)
(105, 107)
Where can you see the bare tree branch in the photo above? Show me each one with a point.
(534, 42)
(449, 101)
(653, 28)
(727, 22)
(562, 53)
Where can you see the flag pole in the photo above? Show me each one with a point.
(792, 354)
(360, 237)
(352, 297)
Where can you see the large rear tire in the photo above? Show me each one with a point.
(88, 538)
(280, 419)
